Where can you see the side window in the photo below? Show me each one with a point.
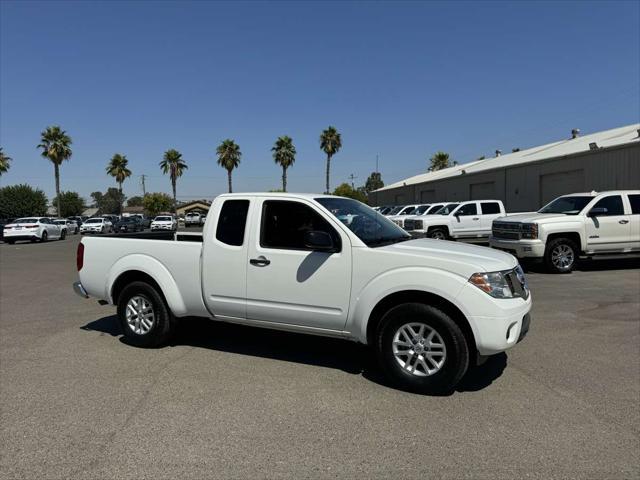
(232, 222)
(634, 200)
(612, 203)
(284, 224)
(490, 208)
(468, 209)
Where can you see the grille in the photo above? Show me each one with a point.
(409, 224)
(506, 230)
(518, 287)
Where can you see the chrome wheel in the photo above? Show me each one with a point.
(419, 349)
(140, 316)
(562, 256)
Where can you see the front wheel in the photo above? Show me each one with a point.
(438, 234)
(561, 255)
(144, 317)
(421, 349)
(63, 235)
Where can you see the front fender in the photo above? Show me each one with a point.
(157, 271)
(567, 227)
(429, 280)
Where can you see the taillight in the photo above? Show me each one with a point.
(80, 256)
(31, 226)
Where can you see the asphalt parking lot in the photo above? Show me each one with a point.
(236, 402)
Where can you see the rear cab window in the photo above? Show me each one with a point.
(490, 208)
(634, 200)
(232, 222)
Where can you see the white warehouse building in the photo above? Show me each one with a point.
(527, 179)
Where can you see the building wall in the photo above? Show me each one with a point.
(528, 187)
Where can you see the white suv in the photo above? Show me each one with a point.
(585, 224)
(96, 225)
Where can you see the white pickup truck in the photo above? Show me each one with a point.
(286, 261)
(470, 220)
(580, 224)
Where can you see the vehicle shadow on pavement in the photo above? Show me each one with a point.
(325, 352)
(590, 265)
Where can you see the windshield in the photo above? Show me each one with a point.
(407, 210)
(374, 229)
(447, 209)
(433, 210)
(163, 219)
(94, 220)
(421, 209)
(27, 220)
(566, 205)
(396, 210)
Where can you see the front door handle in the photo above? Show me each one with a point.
(623, 222)
(476, 218)
(261, 261)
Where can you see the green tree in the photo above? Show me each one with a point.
(56, 146)
(21, 201)
(5, 162)
(284, 154)
(374, 182)
(330, 143)
(135, 201)
(71, 203)
(346, 190)
(438, 161)
(117, 168)
(229, 155)
(108, 203)
(173, 164)
(157, 202)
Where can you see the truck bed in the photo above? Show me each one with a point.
(162, 235)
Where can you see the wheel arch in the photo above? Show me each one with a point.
(427, 298)
(573, 236)
(439, 227)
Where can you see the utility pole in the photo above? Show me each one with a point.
(142, 178)
(377, 163)
(352, 177)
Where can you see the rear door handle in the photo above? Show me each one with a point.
(476, 218)
(261, 261)
(623, 222)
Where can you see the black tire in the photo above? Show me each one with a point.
(10, 242)
(438, 233)
(44, 237)
(554, 247)
(160, 331)
(63, 235)
(456, 361)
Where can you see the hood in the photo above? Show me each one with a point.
(534, 217)
(454, 256)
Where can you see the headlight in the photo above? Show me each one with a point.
(530, 231)
(493, 283)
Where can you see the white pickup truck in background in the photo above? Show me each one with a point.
(580, 224)
(463, 220)
(322, 265)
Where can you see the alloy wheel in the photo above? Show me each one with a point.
(139, 314)
(419, 349)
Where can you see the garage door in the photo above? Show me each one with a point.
(482, 191)
(553, 185)
(427, 196)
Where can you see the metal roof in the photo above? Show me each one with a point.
(605, 139)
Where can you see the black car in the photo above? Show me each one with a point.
(128, 224)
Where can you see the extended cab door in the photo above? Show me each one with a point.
(224, 259)
(465, 221)
(490, 211)
(287, 282)
(634, 220)
(610, 230)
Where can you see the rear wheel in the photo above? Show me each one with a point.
(10, 242)
(561, 255)
(421, 349)
(438, 234)
(144, 316)
(44, 237)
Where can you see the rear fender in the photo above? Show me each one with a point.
(157, 271)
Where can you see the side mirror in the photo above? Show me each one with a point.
(594, 212)
(318, 241)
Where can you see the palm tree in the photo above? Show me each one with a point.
(117, 168)
(330, 142)
(438, 161)
(173, 164)
(229, 157)
(56, 146)
(5, 161)
(284, 154)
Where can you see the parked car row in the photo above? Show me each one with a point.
(569, 227)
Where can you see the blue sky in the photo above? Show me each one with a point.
(401, 80)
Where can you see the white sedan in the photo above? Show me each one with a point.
(164, 222)
(96, 225)
(33, 229)
(69, 226)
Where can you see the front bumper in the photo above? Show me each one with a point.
(162, 227)
(519, 248)
(79, 289)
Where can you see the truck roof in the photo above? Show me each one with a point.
(308, 196)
